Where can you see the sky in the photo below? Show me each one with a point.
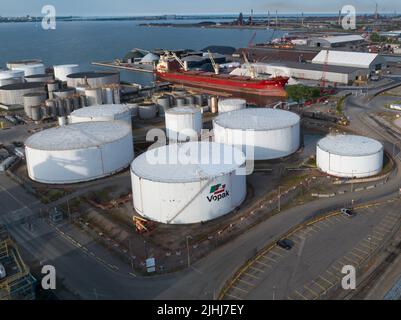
(156, 7)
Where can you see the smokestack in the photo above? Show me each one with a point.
(339, 17)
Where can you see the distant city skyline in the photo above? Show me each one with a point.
(157, 7)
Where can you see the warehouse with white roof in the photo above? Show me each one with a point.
(79, 152)
(335, 41)
(349, 156)
(363, 60)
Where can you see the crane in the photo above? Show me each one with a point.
(174, 55)
(325, 69)
(214, 64)
(250, 67)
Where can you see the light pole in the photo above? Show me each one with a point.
(188, 257)
(279, 198)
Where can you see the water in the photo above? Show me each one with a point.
(82, 42)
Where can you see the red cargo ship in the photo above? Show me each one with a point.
(172, 70)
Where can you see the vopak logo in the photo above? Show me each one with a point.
(218, 192)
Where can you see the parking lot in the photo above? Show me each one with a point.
(313, 266)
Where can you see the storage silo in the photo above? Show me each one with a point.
(349, 156)
(180, 101)
(227, 105)
(93, 96)
(262, 133)
(104, 112)
(32, 69)
(147, 111)
(35, 99)
(194, 182)
(183, 123)
(62, 71)
(39, 78)
(93, 79)
(64, 93)
(22, 63)
(79, 152)
(13, 94)
(163, 105)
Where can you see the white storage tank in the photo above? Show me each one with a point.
(62, 71)
(105, 112)
(262, 133)
(194, 182)
(147, 111)
(32, 69)
(227, 105)
(349, 156)
(183, 123)
(79, 152)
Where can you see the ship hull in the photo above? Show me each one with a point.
(259, 92)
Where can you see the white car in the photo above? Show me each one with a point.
(2, 271)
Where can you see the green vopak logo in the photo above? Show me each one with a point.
(218, 192)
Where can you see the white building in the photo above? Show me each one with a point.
(335, 41)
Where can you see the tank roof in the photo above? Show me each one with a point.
(257, 119)
(200, 161)
(78, 136)
(22, 86)
(183, 110)
(350, 145)
(105, 110)
(91, 74)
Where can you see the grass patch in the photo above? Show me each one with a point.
(292, 180)
(52, 195)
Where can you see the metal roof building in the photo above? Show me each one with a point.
(363, 60)
(335, 41)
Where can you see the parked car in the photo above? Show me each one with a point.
(3, 273)
(286, 244)
(348, 212)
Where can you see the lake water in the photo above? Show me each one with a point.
(82, 42)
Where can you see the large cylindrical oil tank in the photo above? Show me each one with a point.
(39, 78)
(22, 63)
(60, 107)
(32, 69)
(93, 96)
(52, 106)
(180, 101)
(163, 104)
(68, 105)
(198, 100)
(4, 82)
(108, 95)
(104, 112)
(79, 152)
(36, 114)
(194, 182)
(190, 100)
(183, 123)
(93, 79)
(64, 93)
(134, 108)
(147, 111)
(35, 99)
(349, 156)
(227, 105)
(14, 93)
(116, 95)
(262, 133)
(9, 74)
(62, 71)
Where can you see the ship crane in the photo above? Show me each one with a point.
(249, 66)
(174, 55)
(214, 64)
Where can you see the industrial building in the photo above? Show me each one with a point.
(183, 123)
(263, 134)
(112, 112)
(362, 60)
(79, 152)
(349, 156)
(194, 182)
(335, 41)
(16, 282)
(310, 71)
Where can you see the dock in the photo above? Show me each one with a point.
(125, 66)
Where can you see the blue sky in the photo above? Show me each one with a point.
(141, 7)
